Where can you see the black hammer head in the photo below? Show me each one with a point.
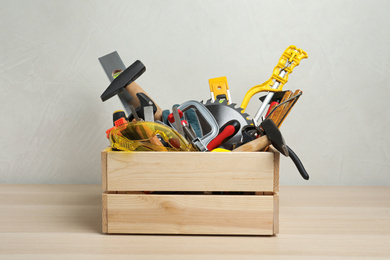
(124, 79)
(274, 135)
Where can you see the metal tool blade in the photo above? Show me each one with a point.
(148, 114)
(134, 113)
(267, 100)
(110, 63)
(178, 124)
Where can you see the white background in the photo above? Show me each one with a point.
(53, 122)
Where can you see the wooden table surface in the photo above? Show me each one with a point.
(64, 222)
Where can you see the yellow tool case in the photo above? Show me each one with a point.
(190, 192)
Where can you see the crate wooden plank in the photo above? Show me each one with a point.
(189, 214)
(276, 213)
(189, 171)
(104, 168)
(276, 168)
(104, 213)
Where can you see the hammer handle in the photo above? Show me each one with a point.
(133, 89)
(255, 145)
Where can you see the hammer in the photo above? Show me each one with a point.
(127, 80)
(273, 136)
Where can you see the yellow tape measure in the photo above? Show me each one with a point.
(219, 89)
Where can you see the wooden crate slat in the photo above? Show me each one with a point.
(104, 213)
(276, 168)
(190, 214)
(276, 213)
(184, 171)
(104, 168)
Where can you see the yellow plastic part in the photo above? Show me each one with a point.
(220, 150)
(291, 58)
(142, 136)
(219, 87)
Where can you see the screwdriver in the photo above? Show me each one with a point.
(227, 131)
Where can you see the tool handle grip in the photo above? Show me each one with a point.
(226, 133)
(298, 163)
(133, 89)
(255, 145)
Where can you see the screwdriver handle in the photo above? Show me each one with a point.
(228, 131)
(297, 163)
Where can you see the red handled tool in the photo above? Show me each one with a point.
(171, 117)
(227, 131)
(271, 106)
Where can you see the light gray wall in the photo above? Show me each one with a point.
(53, 122)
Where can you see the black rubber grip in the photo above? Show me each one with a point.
(297, 163)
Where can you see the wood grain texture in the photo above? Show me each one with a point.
(104, 167)
(190, 214)
(277, 113)
(189, 171)
(288, 107)
(276, 168)
(316, 222)
(104, 213)
(254, 145)
(276, 213)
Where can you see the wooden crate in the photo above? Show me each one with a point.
(183, 182)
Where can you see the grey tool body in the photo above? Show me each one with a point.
(202, 142)
(223, 113)
(110, 63)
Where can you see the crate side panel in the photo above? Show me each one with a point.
(104, 213)
(104, 168)
(196, 171)
(276, 171)
(276, 167)
(276, 213)
(190, 214)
